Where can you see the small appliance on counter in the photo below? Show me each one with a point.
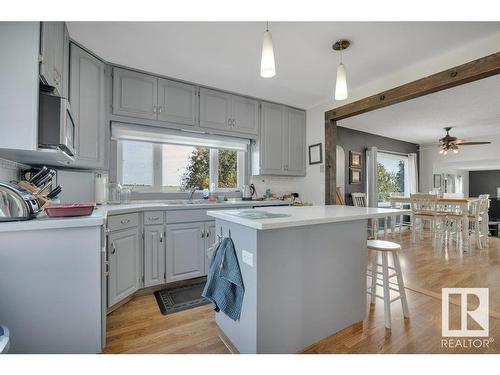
(248, 192)
(17, 203)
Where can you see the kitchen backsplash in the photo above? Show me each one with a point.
(278, 185)
(10, 170)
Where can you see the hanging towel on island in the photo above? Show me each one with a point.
(224, 285)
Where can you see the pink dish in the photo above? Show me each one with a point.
(69, 209)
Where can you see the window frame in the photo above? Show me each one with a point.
(157, 187)
(395, 156)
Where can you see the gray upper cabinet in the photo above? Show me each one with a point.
(87, 98)
(52, 38)
(123, 256)
(245, 115)
(135, 94)
(294, 134)
(231, 114)
(215, 110)
(282, 144)
(271, 139)
(185, 251)
(177, 102)
(154, 255)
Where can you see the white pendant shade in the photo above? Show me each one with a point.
(341, 84)
(267, 68)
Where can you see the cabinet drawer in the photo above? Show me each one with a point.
(187, 216)
(117, 222)
(153, 217)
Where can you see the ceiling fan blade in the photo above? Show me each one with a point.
(472, 143)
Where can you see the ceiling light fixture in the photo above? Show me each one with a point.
(267, 67)
(341, 82)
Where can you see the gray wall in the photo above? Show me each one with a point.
(484, 182)
(354, 140)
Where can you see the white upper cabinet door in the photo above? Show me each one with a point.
(295, 143)
(185, 251)
(271, 132)
(245, 117)
(177, 102)
(135, 94)
(215, 110)
(154, 255)
(52, 51)
(87, 97)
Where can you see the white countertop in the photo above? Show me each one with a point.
(307, 215)
(45, 222)
(101, 212)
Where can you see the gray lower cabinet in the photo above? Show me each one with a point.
(232, 114)
(177, 102)
(52, 38)
(210, 239)
(135, 94)
(154, 255)
(87, 98)
(281, 148)
(185, 251)
(124, 264)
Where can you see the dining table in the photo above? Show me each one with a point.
(462, 204)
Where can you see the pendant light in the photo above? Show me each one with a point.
(267, 68)
(341, 82)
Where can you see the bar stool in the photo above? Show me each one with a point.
(384, 247)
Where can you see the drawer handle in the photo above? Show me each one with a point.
(113, 248)
(161, 237)
(125, 221)
(154, 218)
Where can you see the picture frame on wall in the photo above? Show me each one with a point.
(316, 154)
(354, 176)
(355, 159)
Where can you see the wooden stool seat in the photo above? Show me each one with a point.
(380, 245)
(384, 248)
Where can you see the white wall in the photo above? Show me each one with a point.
(483, 157)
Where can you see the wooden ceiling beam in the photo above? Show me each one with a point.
(472, 71)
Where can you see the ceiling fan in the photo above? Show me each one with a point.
(449, 143)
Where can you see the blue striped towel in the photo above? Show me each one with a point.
(224, 285)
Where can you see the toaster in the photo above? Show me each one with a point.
(17, 203)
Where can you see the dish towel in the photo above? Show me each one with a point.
(224, 285)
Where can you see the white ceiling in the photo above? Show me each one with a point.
(472, 109)
(226, 55)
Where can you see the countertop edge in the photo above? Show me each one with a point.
(298, 222)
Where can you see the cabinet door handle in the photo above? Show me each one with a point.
(229, 122)
(125, 221)
(161, 237)
(160, 109)
(154, 109)
(113, 248)
(202, 233)
(208, 233)
(234, 122)
(106, 268)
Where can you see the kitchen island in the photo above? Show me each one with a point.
(303, 270)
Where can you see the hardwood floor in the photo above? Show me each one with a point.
(139, 327)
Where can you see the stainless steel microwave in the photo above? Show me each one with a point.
(56, 127)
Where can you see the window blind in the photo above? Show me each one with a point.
(131, 132)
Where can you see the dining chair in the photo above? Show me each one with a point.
(397, 226)
(359, 200)
(479, 219)
(424, 208)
